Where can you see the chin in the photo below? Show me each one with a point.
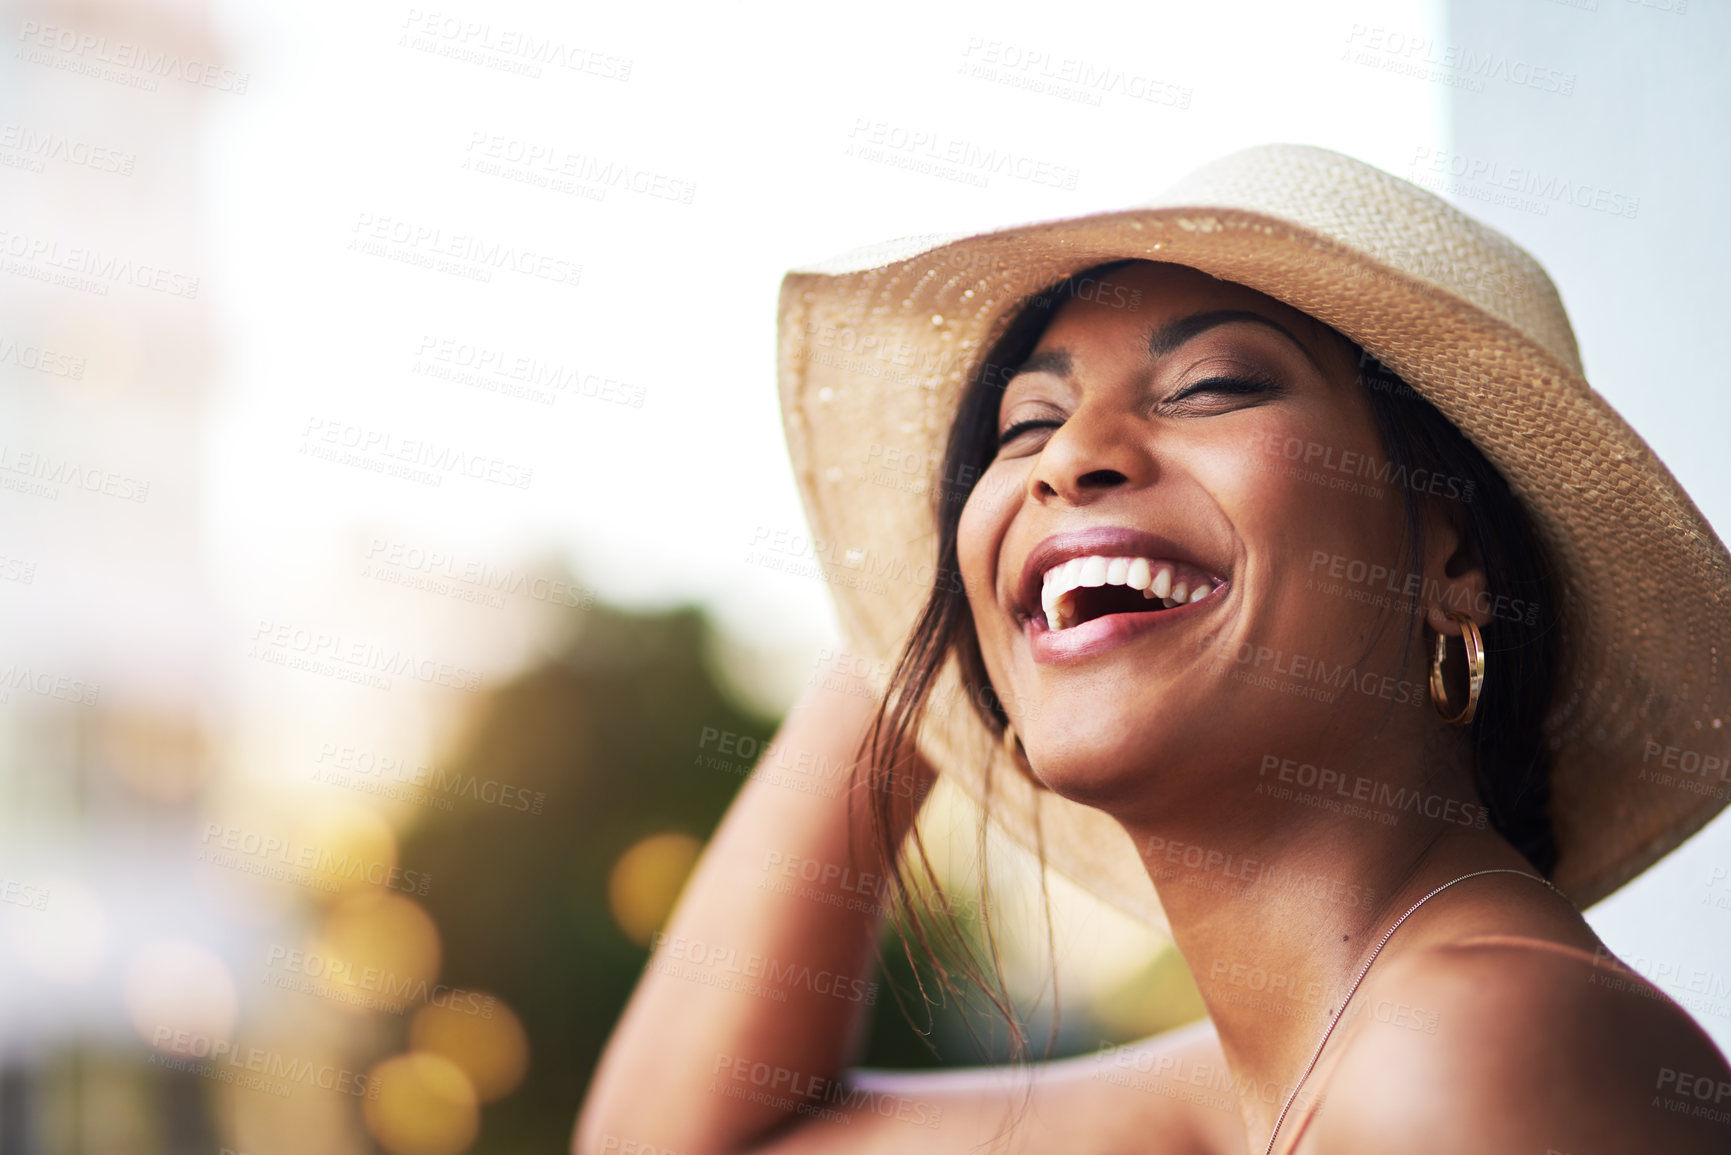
(1101, 758)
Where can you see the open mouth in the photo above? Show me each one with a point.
(1085, 589)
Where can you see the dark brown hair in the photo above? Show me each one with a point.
(1511, 759)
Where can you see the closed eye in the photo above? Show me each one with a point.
(1227, 387)
(1021, 427)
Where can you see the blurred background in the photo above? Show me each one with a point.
(395, 522)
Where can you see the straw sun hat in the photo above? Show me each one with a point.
(875, 348)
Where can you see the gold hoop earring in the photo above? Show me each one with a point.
(1475, 647)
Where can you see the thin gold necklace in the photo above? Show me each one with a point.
(1365, 969)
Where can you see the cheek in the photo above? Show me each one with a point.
(1293, 484)
(979, 540)
(1308, 507)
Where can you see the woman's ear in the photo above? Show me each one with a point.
(1454, 579)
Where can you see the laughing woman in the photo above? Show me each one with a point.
(1262, 558)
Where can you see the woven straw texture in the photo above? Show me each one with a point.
(875, 347)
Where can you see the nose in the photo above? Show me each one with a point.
(1099, 449)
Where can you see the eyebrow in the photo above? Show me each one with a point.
(1167, 339)
(1054, 361)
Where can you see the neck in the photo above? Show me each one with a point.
(1276, 904)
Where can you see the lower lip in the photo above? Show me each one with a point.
(1111, 631)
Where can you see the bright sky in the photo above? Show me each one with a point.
(349, 122)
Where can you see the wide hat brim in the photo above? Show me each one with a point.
(875, 349)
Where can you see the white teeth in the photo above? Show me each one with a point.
(1154, 579)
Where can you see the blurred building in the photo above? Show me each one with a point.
(106, 675)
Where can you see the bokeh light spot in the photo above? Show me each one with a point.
(180, 996)
(380, 945)
(646, 880)
(425, 1106)
(351, 849)
(480, 1034)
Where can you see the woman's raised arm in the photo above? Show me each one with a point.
(753, 1005)
(767, 965)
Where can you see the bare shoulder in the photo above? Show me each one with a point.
(1505, 1045)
